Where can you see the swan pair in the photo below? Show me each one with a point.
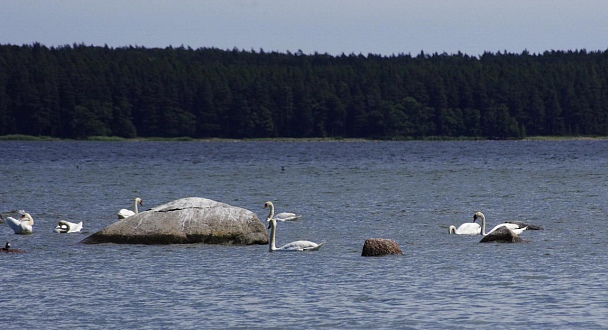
(473, 228)
(65, 227)
(124, 213)
(293, 246)
(23, 225)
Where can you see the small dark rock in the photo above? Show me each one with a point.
(375, 247)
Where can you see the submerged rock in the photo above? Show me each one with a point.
(185, 221)
(501, 235)
(374, 247)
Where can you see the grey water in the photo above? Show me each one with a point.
(347, 192)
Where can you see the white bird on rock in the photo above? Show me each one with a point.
(124, 213)
(516, 228)
(504, 232)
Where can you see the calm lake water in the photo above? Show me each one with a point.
(347, 192)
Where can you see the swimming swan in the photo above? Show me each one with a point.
(22, 226)
(515, 228)
(467, 228)
(65, 227)
(283, 216)
(293, 246)
(124, 213)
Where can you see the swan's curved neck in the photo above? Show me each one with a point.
(483, 225)
(452, 229)
(30, 220)
(271, 207)
(136, 210)
(273, 232)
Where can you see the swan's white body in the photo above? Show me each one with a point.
(467, 228)
(23, 225)
(283, 216)
(65, 227)
(287, 216)
(293, 246)
(124, 213)
(515, 228)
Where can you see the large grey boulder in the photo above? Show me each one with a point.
(184, 221)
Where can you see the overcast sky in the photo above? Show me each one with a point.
(326, 26)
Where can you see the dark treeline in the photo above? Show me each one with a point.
(80, 91)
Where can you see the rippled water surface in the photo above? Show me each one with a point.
(347, 191)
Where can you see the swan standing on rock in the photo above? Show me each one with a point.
(293, 246)
(502, 233)
(515, 228)
(283, 216)
(467, 228)
(22, 226)
(65, 227)
(124, 213)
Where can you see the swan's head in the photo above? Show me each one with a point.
(268, 204)
(27, 216)
(478, 215)
(452, 229)
(62, 227)
(7, 245)
(139, 201)
(271, 214)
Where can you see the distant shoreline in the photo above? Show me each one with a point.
(188, 139)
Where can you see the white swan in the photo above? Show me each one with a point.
(293, 246)
(515, 228)
(64, 227)
(467, 228)
(283, 216)
(124, 213)
(23, 225)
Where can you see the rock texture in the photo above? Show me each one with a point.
(184, 221)
(501, 235)
(374, 247)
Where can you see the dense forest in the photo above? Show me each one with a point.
(77, 91)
